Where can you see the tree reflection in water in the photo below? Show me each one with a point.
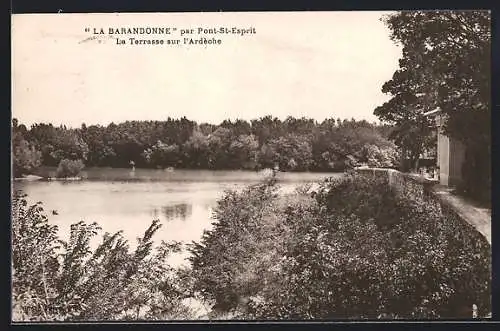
(178, 211)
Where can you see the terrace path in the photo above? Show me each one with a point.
(478, 217)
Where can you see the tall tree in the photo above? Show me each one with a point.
(446, 63)
(25, 157)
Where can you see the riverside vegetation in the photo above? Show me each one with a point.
(293, 144)
(352, 248)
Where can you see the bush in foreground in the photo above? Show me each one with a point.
(355, 250)
(61, 280)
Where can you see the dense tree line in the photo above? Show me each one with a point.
(293, 144)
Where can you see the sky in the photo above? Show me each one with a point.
(313, 64)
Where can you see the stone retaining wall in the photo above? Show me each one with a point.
(477, 218)
(400, 181)
(454, 207)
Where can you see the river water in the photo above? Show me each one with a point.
(122, 199)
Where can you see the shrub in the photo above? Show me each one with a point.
(67, 280)
(69, 168)
(357, 250)
(34, 260)
(244, 228)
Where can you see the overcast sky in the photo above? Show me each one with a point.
(312, 64)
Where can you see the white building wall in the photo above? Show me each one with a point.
(450, 158)
(457, 158)
(443, 159)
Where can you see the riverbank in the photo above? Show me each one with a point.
(64, 179)
(350, 251)
(189, 175)
(31, 178)
(28, 178)
(340, 252)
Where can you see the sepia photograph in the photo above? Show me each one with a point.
(251, 166)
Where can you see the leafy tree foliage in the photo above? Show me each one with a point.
(161, 154)
(446, 57)
(57, 143)
(54, 279)
(446, 63)
(291, 152)
(293, 144)
(69, 168)
(25, 157)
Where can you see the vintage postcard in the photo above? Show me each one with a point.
(251, 166)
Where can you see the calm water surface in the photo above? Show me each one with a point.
(121, 199)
